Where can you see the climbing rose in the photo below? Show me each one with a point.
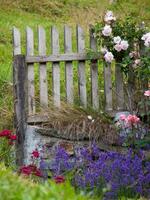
(117, 39)
(107, 30)
(146, 39)
(109, 57)
(118, 47)
(124, 45)
(132, 119)
(59, 179)
(35, 154)
(147, 93)
(109, 17)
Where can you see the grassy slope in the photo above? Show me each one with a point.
(45, 12)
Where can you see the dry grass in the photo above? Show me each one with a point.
(74, 123)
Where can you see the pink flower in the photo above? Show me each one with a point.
(118, 47)
(35, 154)
(109, 17)
(109, 57)
(122, 117)
(147, 93)
(107, 30)
(124, 45)
(137, 61)
(132, 119)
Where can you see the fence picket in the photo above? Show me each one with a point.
(30, 71)
(108, 87)
(55, 67)
(42, 67)
(94, 75)
(81, 67)
(69, 70)
(119, 87)
(16, 41)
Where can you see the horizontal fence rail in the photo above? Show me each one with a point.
(68, 56)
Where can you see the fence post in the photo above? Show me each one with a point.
(19, 85)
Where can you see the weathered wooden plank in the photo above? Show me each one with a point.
(108, 87)
(55, 66)
(69, 70)
(94, 74)
(119, 87)
(42, 67)
(67, 57)
(81, 67)
(30, 73)
(19, 81)
(16, 41)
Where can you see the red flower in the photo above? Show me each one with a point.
(38, 173)
(5, 133)
(59, 179)
(13, 137)
(26, 170)
(35, 154)
(30, 170)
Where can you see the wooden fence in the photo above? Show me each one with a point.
(55, 58)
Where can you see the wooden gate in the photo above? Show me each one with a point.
(24, 77)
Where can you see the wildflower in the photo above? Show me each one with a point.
(147, 93)
(89, 117)
(59, 179)
(35, 154)
(107, 30)
(117, 39)
(109, 17)
(109, 57)
(5, 133)
(124, 45)
(118, 47)
(12, 137)
(122, 117)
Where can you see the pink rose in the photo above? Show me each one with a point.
(109, 57)
(107, 30)
(118, 47)
(122, 117)
(147, 93)
(124, 45)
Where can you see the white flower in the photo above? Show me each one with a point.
(107, 30)
(117, 39)
(89, 117)
(118, 47)
(109, 57)
(124, 45)
(137, 61)
(145, 36)
(147, 42)
(109, 17)
(104, 50)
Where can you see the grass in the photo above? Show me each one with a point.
(21, 13)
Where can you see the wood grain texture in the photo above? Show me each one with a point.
(30, 73)
(16, 41)
(94, 75)
(68, 68)
(81, 67)
(119, 88)
(19, 83)
(108, 87)
(42, 68)
(55, 67)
